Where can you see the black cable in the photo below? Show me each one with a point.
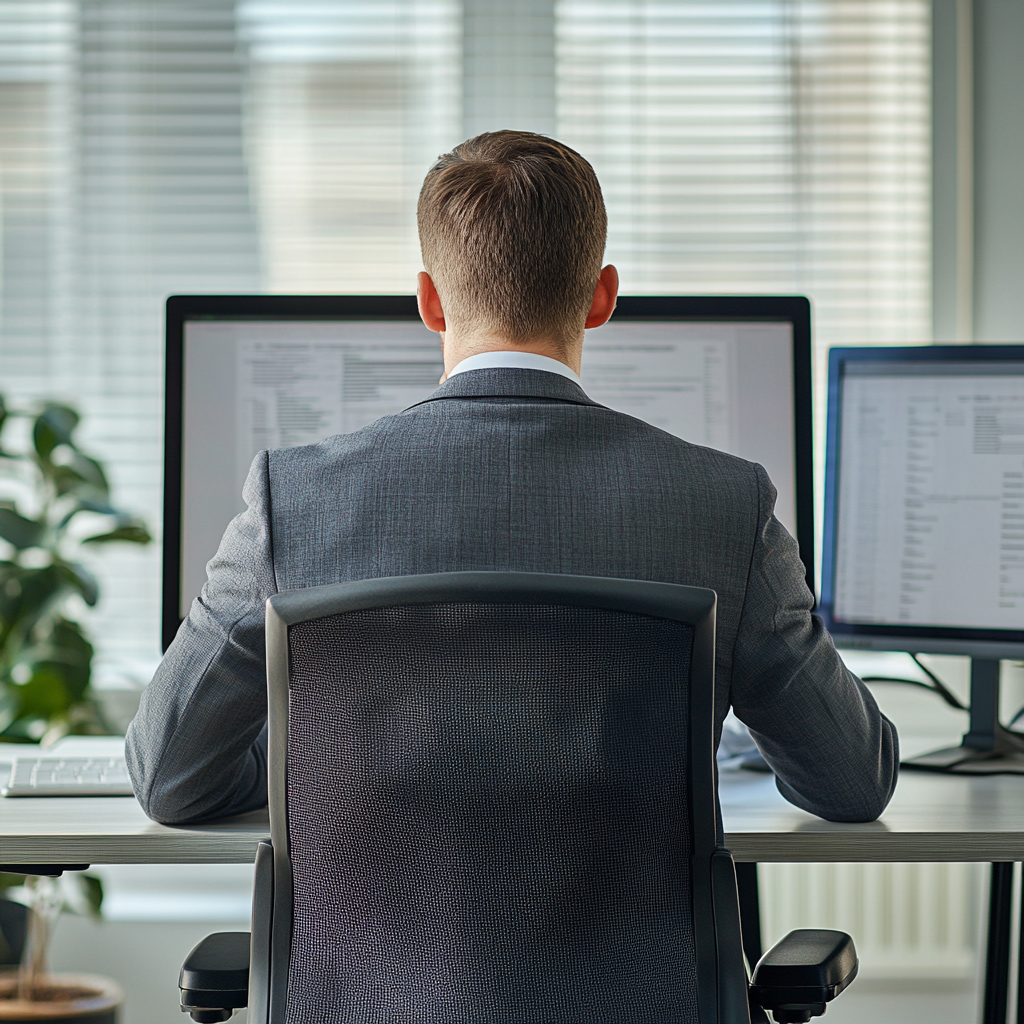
(944, 691)
(913, 682)
(936, 685)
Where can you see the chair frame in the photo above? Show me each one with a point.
(721, 978)
(795, 979)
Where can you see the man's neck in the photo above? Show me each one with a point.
(457, 349)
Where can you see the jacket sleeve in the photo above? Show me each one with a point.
(818, 726)
(197, 748)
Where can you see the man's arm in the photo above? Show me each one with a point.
(197, 748)
(834, 753)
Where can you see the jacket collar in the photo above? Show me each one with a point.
(510, 382)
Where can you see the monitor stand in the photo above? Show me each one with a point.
(987, 748)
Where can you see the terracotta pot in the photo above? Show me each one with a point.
(83, 997)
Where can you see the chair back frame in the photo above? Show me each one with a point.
(713, 906)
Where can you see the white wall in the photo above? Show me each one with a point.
(994, 138)
(998, 170)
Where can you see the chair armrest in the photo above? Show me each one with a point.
(214, 979)
(802, 972)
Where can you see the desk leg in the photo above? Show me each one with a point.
(1019, 1015)
(997, 952)
(750, 912)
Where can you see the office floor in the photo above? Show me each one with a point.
(896, 1002)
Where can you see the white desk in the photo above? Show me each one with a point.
(930, 818)
(114, 830)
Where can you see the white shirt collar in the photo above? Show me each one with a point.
(517, 360)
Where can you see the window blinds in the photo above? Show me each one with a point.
(156, 146)
(138, 188)
(761, 147)
(349, 103)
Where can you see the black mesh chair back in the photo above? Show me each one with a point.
(493, 802)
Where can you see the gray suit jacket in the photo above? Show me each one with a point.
(510, 469)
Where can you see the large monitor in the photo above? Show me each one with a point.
(924, 518)
(246, 373)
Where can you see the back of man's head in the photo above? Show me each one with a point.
(512, 227)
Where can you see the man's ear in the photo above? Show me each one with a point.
(429, 303)
(605, 294)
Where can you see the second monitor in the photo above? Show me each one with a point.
(246, 373)
(924, 519)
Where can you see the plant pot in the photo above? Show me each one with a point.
(75, 997)
(13, 928)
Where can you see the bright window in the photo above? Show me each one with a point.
(156, 146)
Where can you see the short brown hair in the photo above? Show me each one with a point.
(512, 228)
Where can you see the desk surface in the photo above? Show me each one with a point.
(931, 818)
(114, 830)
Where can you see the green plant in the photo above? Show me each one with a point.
(59, 501)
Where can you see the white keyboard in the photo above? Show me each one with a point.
(68, 776)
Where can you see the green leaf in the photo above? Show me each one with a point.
(133, 532)
(5, 415)
(19, 531)
(67, 480)
(27, 598)
(45, 695)
(84, 582)
(76, 476)
(62, 649)
(92, 893)
(24, 730)
(90, 471)
(86, 505)
(62, 640)
(8, 709)
(60, 665)
(10, 594)
(53, 426)
(69, 647)
(40, 588)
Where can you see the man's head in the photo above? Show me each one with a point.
(512, 227)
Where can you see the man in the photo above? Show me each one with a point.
(510, 466)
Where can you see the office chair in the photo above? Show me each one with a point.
(492, 799)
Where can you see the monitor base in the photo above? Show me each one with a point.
(988, 748)
(965, 761)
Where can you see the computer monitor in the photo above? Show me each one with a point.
(924, 518)
(246, 373)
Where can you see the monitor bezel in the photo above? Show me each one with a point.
(792, 309)
(960, 640)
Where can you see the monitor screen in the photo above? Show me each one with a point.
(924, 518)
(248, 373)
